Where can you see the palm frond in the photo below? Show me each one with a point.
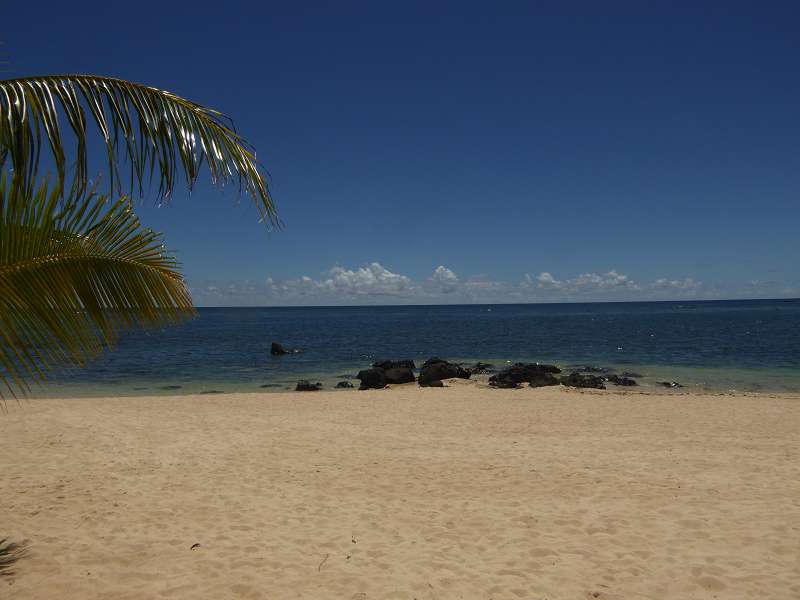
(72, 275)
(143, 127)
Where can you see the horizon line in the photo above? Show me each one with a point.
(693, 301)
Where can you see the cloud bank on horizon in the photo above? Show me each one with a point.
(375, 284)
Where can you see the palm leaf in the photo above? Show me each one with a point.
(73, 274)
(145, 128)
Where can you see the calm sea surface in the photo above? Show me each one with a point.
(736, 345)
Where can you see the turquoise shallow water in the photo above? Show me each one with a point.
(733, 345)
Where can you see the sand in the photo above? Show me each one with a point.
(461, 492)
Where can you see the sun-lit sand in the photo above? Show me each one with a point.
(407, 493)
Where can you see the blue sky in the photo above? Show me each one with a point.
(470, 152)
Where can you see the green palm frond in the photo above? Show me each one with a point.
(147, 129)
(74, 273)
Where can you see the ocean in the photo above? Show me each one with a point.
(751, 345)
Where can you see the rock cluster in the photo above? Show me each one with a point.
(534, 374)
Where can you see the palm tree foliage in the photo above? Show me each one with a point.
(74, 267)
(149, 130)
(72, 274)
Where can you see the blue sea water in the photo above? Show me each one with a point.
(730, 345)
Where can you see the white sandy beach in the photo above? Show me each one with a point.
(406, 493)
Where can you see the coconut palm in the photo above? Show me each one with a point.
(75, 266)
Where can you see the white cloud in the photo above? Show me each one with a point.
(445, 280)
(375, 284)
(585, 283)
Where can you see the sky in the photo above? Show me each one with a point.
(440, 152)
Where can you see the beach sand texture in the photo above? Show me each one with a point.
(461, 492)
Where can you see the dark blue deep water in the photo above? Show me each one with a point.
(743, 345)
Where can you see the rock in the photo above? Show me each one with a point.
(533, 373)
(432, 361)
(436, 371)
(372, 379)
(344, 384)
(505, 384)
(271, 385)
(584, 381)
(437, 383)
(304, 386)
(629, 374)
(544, 380)
(399, 375)
(669, 384)
(277, 350)
(617, 380)
(394, 364)
(480, 368)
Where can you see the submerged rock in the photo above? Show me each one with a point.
(590, 369)
(669, 384)
(305, 386)
(372, 379)
(277, 350)
(481, 368)
(617, 380)
(399, 375)
(584, 381)
(271, 385)
(441, 369)
(344, 384)
(394, 364)
(532, 373)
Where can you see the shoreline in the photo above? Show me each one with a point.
(701, 380)
(405, 493)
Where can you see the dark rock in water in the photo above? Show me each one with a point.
(590, 369)
(277, 350)
(669, 384)
(436, 383)
(584, 381)
(617, 380)
(436, 371)
(271, 385)
(212, 392)
(344, 384)
(305, 386)
(394, 364)
(399, 375)
(432, 361)
(629, 374)
(480, 368)
(171, 387)
(533, 373)
(372, 379)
